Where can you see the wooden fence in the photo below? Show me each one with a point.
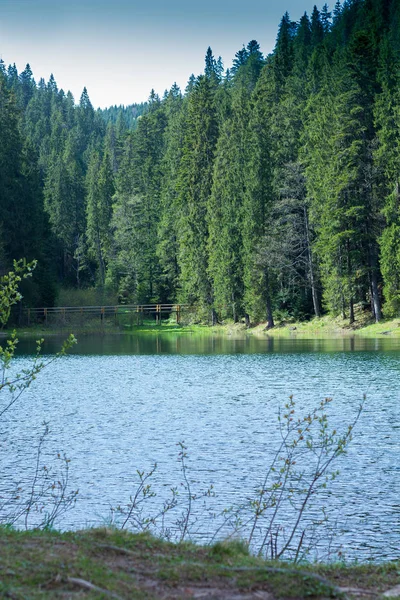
(134, 313)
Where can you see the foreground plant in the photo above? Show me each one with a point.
(177, 518)
(47, 496)
(283, 517)
(303, 466)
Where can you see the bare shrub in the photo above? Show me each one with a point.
(47, 498)
(283, 517)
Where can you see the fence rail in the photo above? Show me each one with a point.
(33, 315)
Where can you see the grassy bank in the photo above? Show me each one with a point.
(324, 327)
(106, 563)
(332, 327)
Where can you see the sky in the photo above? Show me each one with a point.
(121, 49)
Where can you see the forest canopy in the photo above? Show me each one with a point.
(268, 189)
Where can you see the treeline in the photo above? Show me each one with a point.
(269, 189)
(128, 114)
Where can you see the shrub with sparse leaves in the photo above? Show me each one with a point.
(47, 496)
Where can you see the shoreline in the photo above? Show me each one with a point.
(109, 562)
(321, 328)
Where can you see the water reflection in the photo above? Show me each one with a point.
(187, 343)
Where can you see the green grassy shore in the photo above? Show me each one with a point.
(107, 563)
(331, 327)
(325, 327)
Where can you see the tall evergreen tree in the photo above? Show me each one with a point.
(100, 190)
(138, 190)
(335, 168)
(387, 156)
(317, 28)
(167, 236)
(27, 87)
(194, 184)
(258, 273)
(224, 211)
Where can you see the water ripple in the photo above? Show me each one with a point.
(114, 414)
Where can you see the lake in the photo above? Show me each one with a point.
(121, 403)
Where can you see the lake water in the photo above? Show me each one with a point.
(121, 403)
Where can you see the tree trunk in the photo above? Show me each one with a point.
(372, 250)
(351, 317)
(375, 298)
(314, 292)
(100, 258)
(349, 275)
(65, 262)
(234, 313)
(102, 269)
(343, 308)
(151, 283)
(247, 320)
(270, 317)
(78, 271)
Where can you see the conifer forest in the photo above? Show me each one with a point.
(269, 189)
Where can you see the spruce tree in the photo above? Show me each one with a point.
(387, 157)
(138, 190)
(194, 185)
(100, 190)
(168, 226)
(224, 212)
(335, 142)
(258, 272)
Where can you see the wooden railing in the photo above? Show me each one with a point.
(43, 315)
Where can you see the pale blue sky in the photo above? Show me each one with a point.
(120, 49)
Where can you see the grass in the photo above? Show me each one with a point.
(328, 327)
(325, 327)
(107, 563)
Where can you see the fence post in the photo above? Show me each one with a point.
(158, 314)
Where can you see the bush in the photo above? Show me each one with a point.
(47, 496)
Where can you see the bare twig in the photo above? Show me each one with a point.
(86, 585)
